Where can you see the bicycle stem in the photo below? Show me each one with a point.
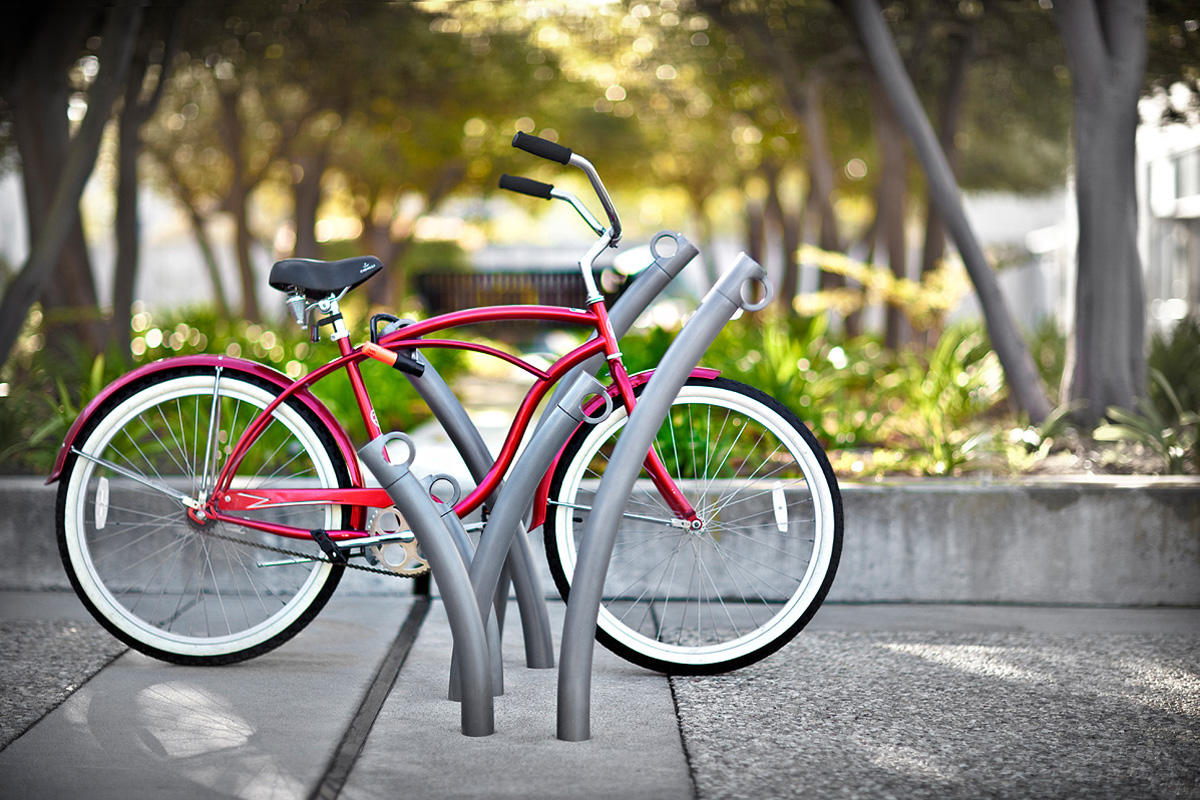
(586, 264)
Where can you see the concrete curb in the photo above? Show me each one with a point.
(1104, 540)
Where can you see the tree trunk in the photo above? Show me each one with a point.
(1010, 348)
(756, 230)
(790, 232)
(893, 177)
(237, 203)
(820, 172)
(209, 255)
(199, 232)
(787, 228)
(1106, 51)
(307, 196)
(120, 33)
(703, 225)
(134, 114)
(377, 241)
(125, 268)
(950, 108)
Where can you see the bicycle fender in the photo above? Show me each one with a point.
(543, 491)
(266, 373)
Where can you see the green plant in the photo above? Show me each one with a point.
(43, 393)
(1048, 346)
(1175, 438)
(1176, 356)
(941, 393)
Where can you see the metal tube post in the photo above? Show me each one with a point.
(535, 619)
(466, 625)
(466, 549)
(526, 474)
(579, 628)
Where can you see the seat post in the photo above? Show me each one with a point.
(333, 316)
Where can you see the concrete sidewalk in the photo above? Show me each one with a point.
(870, 701)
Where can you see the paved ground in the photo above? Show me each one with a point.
(872, 701)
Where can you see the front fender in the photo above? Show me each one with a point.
(637, 379)
(257, 370)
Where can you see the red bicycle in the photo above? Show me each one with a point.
(209, 505)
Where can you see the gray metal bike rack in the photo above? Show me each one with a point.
(539, 644)
(579, 628)
(449, 570)
(563, 414)
(518, 561)
(466, 550)
(505, 520)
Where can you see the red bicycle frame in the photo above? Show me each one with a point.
(225, 500)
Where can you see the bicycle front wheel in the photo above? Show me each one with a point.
(163, 583)
(708, 601)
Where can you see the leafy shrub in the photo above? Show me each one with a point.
(1174, 437)
(829, 382)
(1176, 356)
(941, 394)
(1048, 347)
(46, 392)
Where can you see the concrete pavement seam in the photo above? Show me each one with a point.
(355, 737)
(687, 756)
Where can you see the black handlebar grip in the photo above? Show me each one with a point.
(542, 147)
(526, 186)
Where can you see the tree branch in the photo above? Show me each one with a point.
(119, 37)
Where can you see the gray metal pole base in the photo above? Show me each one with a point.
(413, 501)
(579, 628)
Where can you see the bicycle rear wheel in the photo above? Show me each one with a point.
(164, 584)
(709, 601)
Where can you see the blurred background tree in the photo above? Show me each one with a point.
(324, 127)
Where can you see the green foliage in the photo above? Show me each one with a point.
(41, 393)
(1167, 421)
(435, 256)
(1176, 356)
(826, 381)
(47, 392)
(944, 391)
(874, 411)
(1174, 437)
(1048, 347)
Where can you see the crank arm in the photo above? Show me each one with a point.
(288, 562)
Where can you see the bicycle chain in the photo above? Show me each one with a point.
(309, 556)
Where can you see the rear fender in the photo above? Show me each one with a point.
(638, 379)
(272, 376)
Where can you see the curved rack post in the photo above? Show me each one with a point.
(579, 628)
(505, 520)
(535, 619)
(466, 625)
